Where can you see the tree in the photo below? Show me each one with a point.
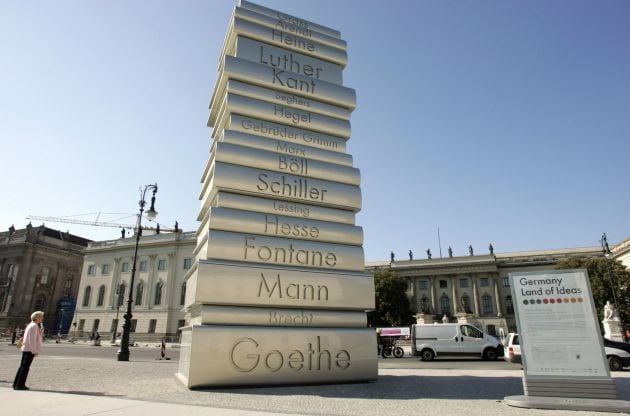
(392, 304)
(601, 273)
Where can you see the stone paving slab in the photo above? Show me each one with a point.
(153, 383)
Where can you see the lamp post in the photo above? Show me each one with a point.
(123, 353)
(607, 253)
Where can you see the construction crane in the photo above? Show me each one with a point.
(97, 223)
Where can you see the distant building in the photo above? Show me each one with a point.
(474, 289)
(40, 269)
(158, 294)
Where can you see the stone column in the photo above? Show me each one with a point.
(169, 287)
(433, 296)
(475, 295)
(497, 295)
(151, 281)
(456, 307)
(112, 302)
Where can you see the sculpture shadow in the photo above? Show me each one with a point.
(399, 388)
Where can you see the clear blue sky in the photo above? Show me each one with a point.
(503, 122)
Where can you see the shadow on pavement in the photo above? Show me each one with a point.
(400, 388)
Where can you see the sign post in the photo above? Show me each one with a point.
(563, 355)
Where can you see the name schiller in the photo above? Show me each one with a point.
(247, 355)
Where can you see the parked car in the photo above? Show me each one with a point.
(617, 354)
(513, 348)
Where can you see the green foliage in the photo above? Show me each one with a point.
(601, 272)
(392, 304)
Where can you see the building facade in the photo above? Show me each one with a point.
(158, 293)
(473, 289)
(40, 269)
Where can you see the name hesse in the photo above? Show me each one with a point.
(274, 226)
(247, 355)
(555, 288)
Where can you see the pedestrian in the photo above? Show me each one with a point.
(33, 339)
(14, 335)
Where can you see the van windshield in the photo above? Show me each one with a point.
(471, 331)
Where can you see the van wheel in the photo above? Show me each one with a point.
(427, 355)
(614, 363)
(399, 352)
(490, 354)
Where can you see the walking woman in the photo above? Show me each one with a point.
(33, 338)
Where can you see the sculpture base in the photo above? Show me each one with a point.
(224, 356)
(562, 403)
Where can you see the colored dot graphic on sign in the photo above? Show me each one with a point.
(552, 301)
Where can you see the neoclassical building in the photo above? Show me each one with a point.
(159, 289)
(475, 288)
(40, 269)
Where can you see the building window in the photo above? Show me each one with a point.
(40, 302)
(423, 284)
(484, 281)
(182, 296)
(68, 282)
(443, 284)
(86, 296)
(143, 266)
(125, 267)
(132, 327)
(187, 263)
(45, 276)
(81, 324)
(162, 265)
(152, 325)
(105, 269)
(463, 283)
(97, 322)
(465, 302)
(139, 293)
(486, 302)
(509, 306)
(121, 294)
(506, 282)
(101, 296)
(158, 294)
(445, 305)
(91, 269)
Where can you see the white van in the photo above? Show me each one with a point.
(436, 340)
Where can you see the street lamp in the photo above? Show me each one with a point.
(607, 253)
(123, 353)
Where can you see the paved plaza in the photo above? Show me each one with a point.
(92, 386)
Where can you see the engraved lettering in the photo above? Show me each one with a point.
(291, 319)
(287, 148)
(297, 188)
(284, 229)
(285, 133)
(301, 291)
(286, 207)
(246, 355)
(295, 165)
(294, 116)
(287, 62)
(290, 40)
(284, 80)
